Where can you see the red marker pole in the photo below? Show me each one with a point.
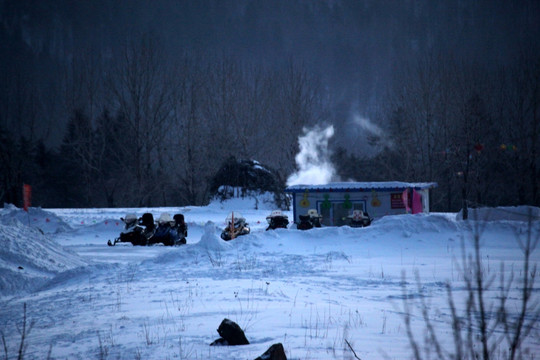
(27, 197)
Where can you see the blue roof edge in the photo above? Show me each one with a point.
(361, 187)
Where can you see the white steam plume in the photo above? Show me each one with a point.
(366, 129)
(368, 125)
(313, 160)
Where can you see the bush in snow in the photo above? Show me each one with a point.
(247, 178)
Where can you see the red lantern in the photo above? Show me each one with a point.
(478, 147)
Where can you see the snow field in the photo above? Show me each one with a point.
(309, 290)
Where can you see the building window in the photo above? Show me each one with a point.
(396, 201)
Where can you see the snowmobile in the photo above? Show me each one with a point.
(181, 228)
(143, 231)
(305, 223)
(165, 232)
(358, 218)
(309, 221)
(136, 231)
(236, 226)
(277, 220)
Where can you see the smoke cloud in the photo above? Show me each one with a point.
(313, 160)
(367, 125)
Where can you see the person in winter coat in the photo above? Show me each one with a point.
(149, 228)
(314, 217)
(165, 233)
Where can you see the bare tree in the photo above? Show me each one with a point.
(523, 127)
(419, 120)
(21, 127)
(141, 91)
(442, 122)
(299, 103)
(79, 154)
(193, 134)
(242, 111)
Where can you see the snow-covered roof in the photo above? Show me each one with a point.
(362, 186)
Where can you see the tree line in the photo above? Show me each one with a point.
(144, 130)
(113, 104)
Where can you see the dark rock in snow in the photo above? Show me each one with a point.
(231, 333)
(274, 352)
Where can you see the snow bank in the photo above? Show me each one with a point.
(510, 213)
(417, 223)
(28, 258)
(46, 221)
(210, 240)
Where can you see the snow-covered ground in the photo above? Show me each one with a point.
(309, 290)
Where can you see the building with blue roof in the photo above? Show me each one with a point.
(335, 201)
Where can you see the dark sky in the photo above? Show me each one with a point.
(356, 47)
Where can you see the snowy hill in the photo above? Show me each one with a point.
(309, 290)
(29, 257)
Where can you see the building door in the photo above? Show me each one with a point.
(337, 214)
(340, 214)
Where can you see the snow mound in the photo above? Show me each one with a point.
(211, 241)
(415, 224)
(43, 220)
(28, 258)
(509, 213)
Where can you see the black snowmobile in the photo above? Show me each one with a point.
(170, 231)
(359, 218)
(136, 231)
(143, 231)
(309, 221)
(236, 226)
(277, 220)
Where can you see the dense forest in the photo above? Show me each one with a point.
(139, 103)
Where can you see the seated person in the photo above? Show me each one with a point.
(149, 227)
(314, 217)
(165, 233)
